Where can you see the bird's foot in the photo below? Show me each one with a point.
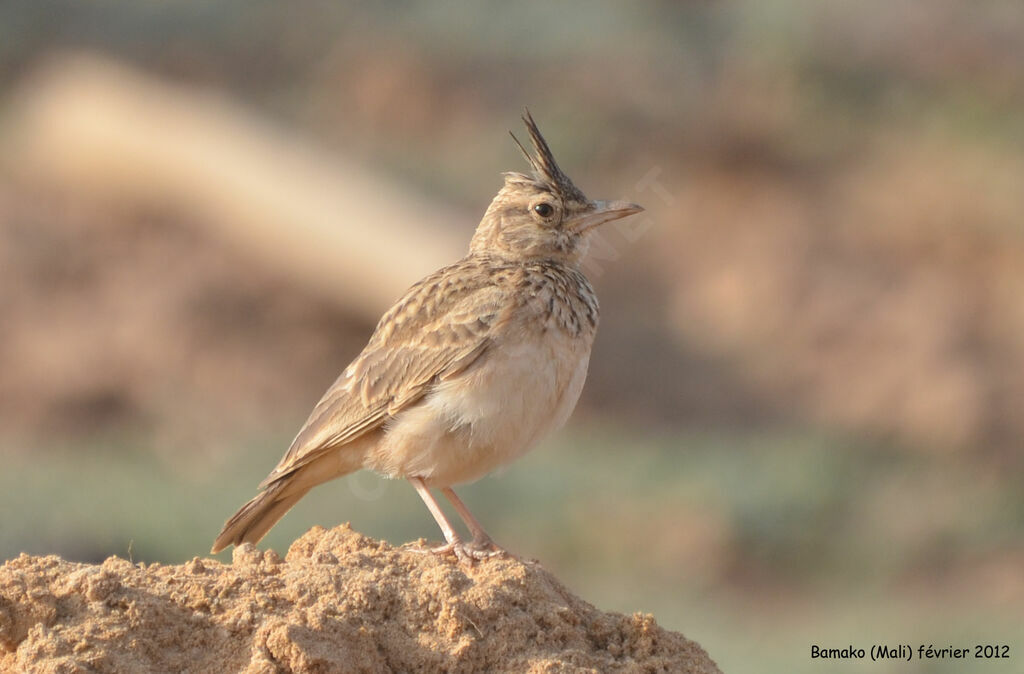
(483, 548)
(469, 553)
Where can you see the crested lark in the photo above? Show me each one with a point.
(467, 371)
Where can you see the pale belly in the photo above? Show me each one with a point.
(486, 417)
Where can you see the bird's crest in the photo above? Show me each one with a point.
(545, 168)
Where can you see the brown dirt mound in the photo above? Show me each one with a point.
(339, 602)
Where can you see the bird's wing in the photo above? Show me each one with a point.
(438, 329)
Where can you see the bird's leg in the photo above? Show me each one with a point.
(454, 543)
(482, 543)
(435, 509)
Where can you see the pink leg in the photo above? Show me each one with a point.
(465, 553)
(435, 509)
(481, 540)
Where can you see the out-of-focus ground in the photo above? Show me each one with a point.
(804, 418)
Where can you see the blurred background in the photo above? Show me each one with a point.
(804, 418)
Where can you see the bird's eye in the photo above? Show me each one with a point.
(543, 209)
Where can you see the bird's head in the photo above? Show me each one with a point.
(542, 215)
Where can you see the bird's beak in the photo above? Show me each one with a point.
(604, 211)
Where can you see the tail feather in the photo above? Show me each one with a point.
(258, 516)
(255, 518)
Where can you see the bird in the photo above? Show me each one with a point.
(468, 370)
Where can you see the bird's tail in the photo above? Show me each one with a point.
(255, 518)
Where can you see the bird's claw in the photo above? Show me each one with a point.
(484, 548)
(470, 553)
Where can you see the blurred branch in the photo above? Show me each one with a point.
(104, 129)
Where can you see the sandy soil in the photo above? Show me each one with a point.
(339, 601)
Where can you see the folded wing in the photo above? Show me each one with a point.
(439, 328)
